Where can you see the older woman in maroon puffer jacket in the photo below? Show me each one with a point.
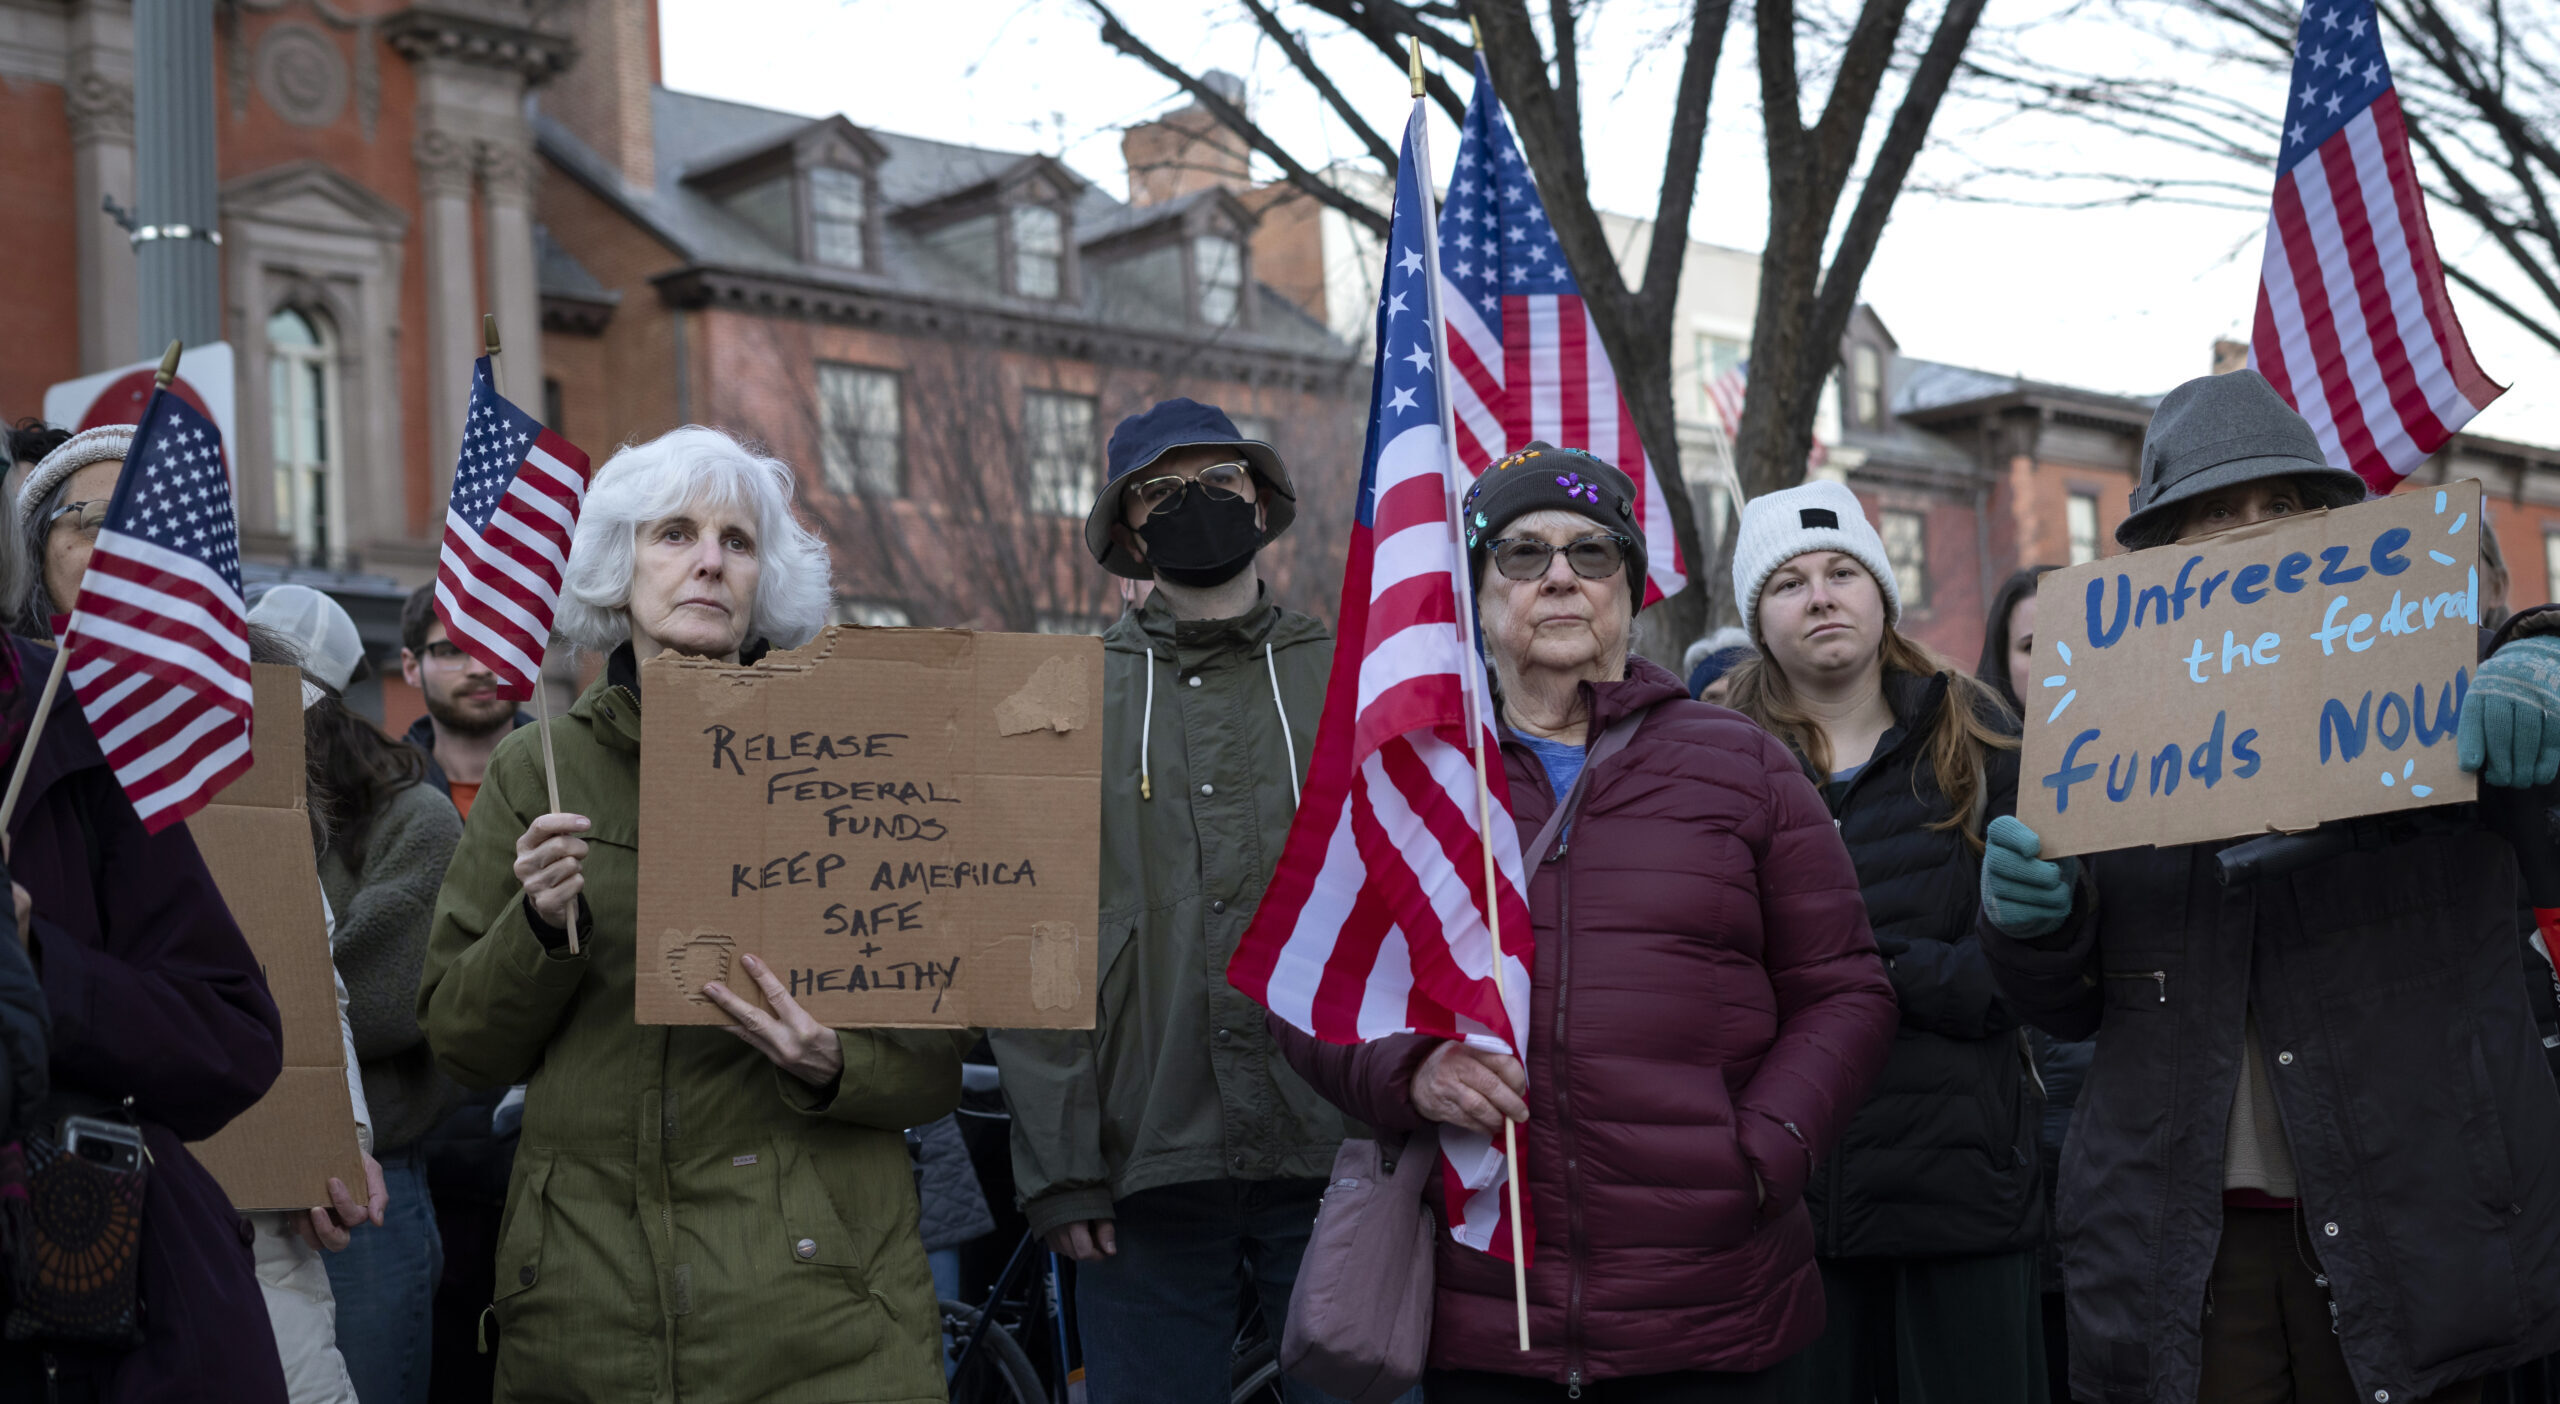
(1706, 1011)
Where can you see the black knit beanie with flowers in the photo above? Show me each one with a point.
(1542, 477)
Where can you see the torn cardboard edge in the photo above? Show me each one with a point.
(255, 838)
(954, 970)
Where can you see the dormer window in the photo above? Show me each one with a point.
(1039, 251)
(1866, 385)
(810, 195)
(1217, 270)
(838, 203)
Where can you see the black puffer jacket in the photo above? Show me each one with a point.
(25, 1034)
(2422, 1119)
(1942, 1159)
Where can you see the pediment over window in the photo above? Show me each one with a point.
(813, 194)
(315, 197)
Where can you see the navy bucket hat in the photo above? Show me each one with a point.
(1143, 438)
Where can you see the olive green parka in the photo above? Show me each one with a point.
(686, 1221)
(1205, 722)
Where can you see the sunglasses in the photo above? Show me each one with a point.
(1592, 557)
(1218, 480)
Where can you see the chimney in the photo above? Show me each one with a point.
(2229, 355)
(1187, 150)
(604, 97)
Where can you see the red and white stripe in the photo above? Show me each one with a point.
(159, 648)
(1552, 380)
(2353, 324)
(498, 590)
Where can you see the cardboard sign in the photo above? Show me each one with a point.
(2265, 679)
(256, 840)
(899, 822)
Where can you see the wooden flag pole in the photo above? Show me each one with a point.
(541, 699)
(61, 654)
(1476, 724)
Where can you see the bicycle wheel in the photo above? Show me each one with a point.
(999, 1372)
(1257, 1373)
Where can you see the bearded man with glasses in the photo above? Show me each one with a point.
(1170, 1150)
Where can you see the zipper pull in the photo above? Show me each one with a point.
(1573, 1385)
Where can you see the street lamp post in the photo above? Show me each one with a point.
(177, 241)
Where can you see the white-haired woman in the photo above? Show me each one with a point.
(716, 1213)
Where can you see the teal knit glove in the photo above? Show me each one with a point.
(2510, 727)
(2022, 894)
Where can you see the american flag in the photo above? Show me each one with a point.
(2353, 326)
(158, 638)
(1525, 361)
(516, 495)
(1725, 394)
(1374, 923)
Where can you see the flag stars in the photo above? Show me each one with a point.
(1420, 359)
(1402, 400)
(1409, 262)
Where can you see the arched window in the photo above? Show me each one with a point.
(302, 395)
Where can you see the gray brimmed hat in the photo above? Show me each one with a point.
(2219, 430)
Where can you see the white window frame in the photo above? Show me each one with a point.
(1025, 250)
(310, 494)
(847, 467)
(1232, 287)
(1908, 558)
(860, 223)
(1062, 461)
(2078, 508)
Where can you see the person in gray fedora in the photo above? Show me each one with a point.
(2317, 1155)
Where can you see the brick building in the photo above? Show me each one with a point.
(940, 336)
(937, 337)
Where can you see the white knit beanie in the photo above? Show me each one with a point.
(107, 441)
(1821, 515)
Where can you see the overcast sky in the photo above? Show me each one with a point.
(2123, 300)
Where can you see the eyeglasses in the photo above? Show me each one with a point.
(1592, 557)
(86, 517)
(442, 651)
(1218, 480)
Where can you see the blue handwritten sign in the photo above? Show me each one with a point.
(2269, 678)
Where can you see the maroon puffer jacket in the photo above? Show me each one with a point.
(1714, 1009)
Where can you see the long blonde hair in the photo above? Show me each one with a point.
(1960, 740)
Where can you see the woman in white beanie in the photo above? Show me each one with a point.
(1927, 1217)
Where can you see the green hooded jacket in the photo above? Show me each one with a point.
(686, 1221)
(1177, 1081)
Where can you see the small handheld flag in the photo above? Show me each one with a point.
(2353, 326)
(516, 495)
(157, 649)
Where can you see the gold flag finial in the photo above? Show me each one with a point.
(1476, 30)
(168, 366)
(489, 333)
(1417, 66)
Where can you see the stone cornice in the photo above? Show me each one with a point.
(760, 294)
(577, 316)
(422, 32)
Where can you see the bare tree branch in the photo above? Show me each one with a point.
(1234, 119)
(1379, 148)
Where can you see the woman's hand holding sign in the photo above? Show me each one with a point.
(797, 1044)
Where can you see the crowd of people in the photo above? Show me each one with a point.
(1834, 1089)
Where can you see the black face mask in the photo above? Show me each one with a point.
(1201, 540)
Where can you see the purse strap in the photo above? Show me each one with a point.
(1612, 740)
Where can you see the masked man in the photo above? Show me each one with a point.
(1170, 1151)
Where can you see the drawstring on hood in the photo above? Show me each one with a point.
(1147, 727)
(1288, 743)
